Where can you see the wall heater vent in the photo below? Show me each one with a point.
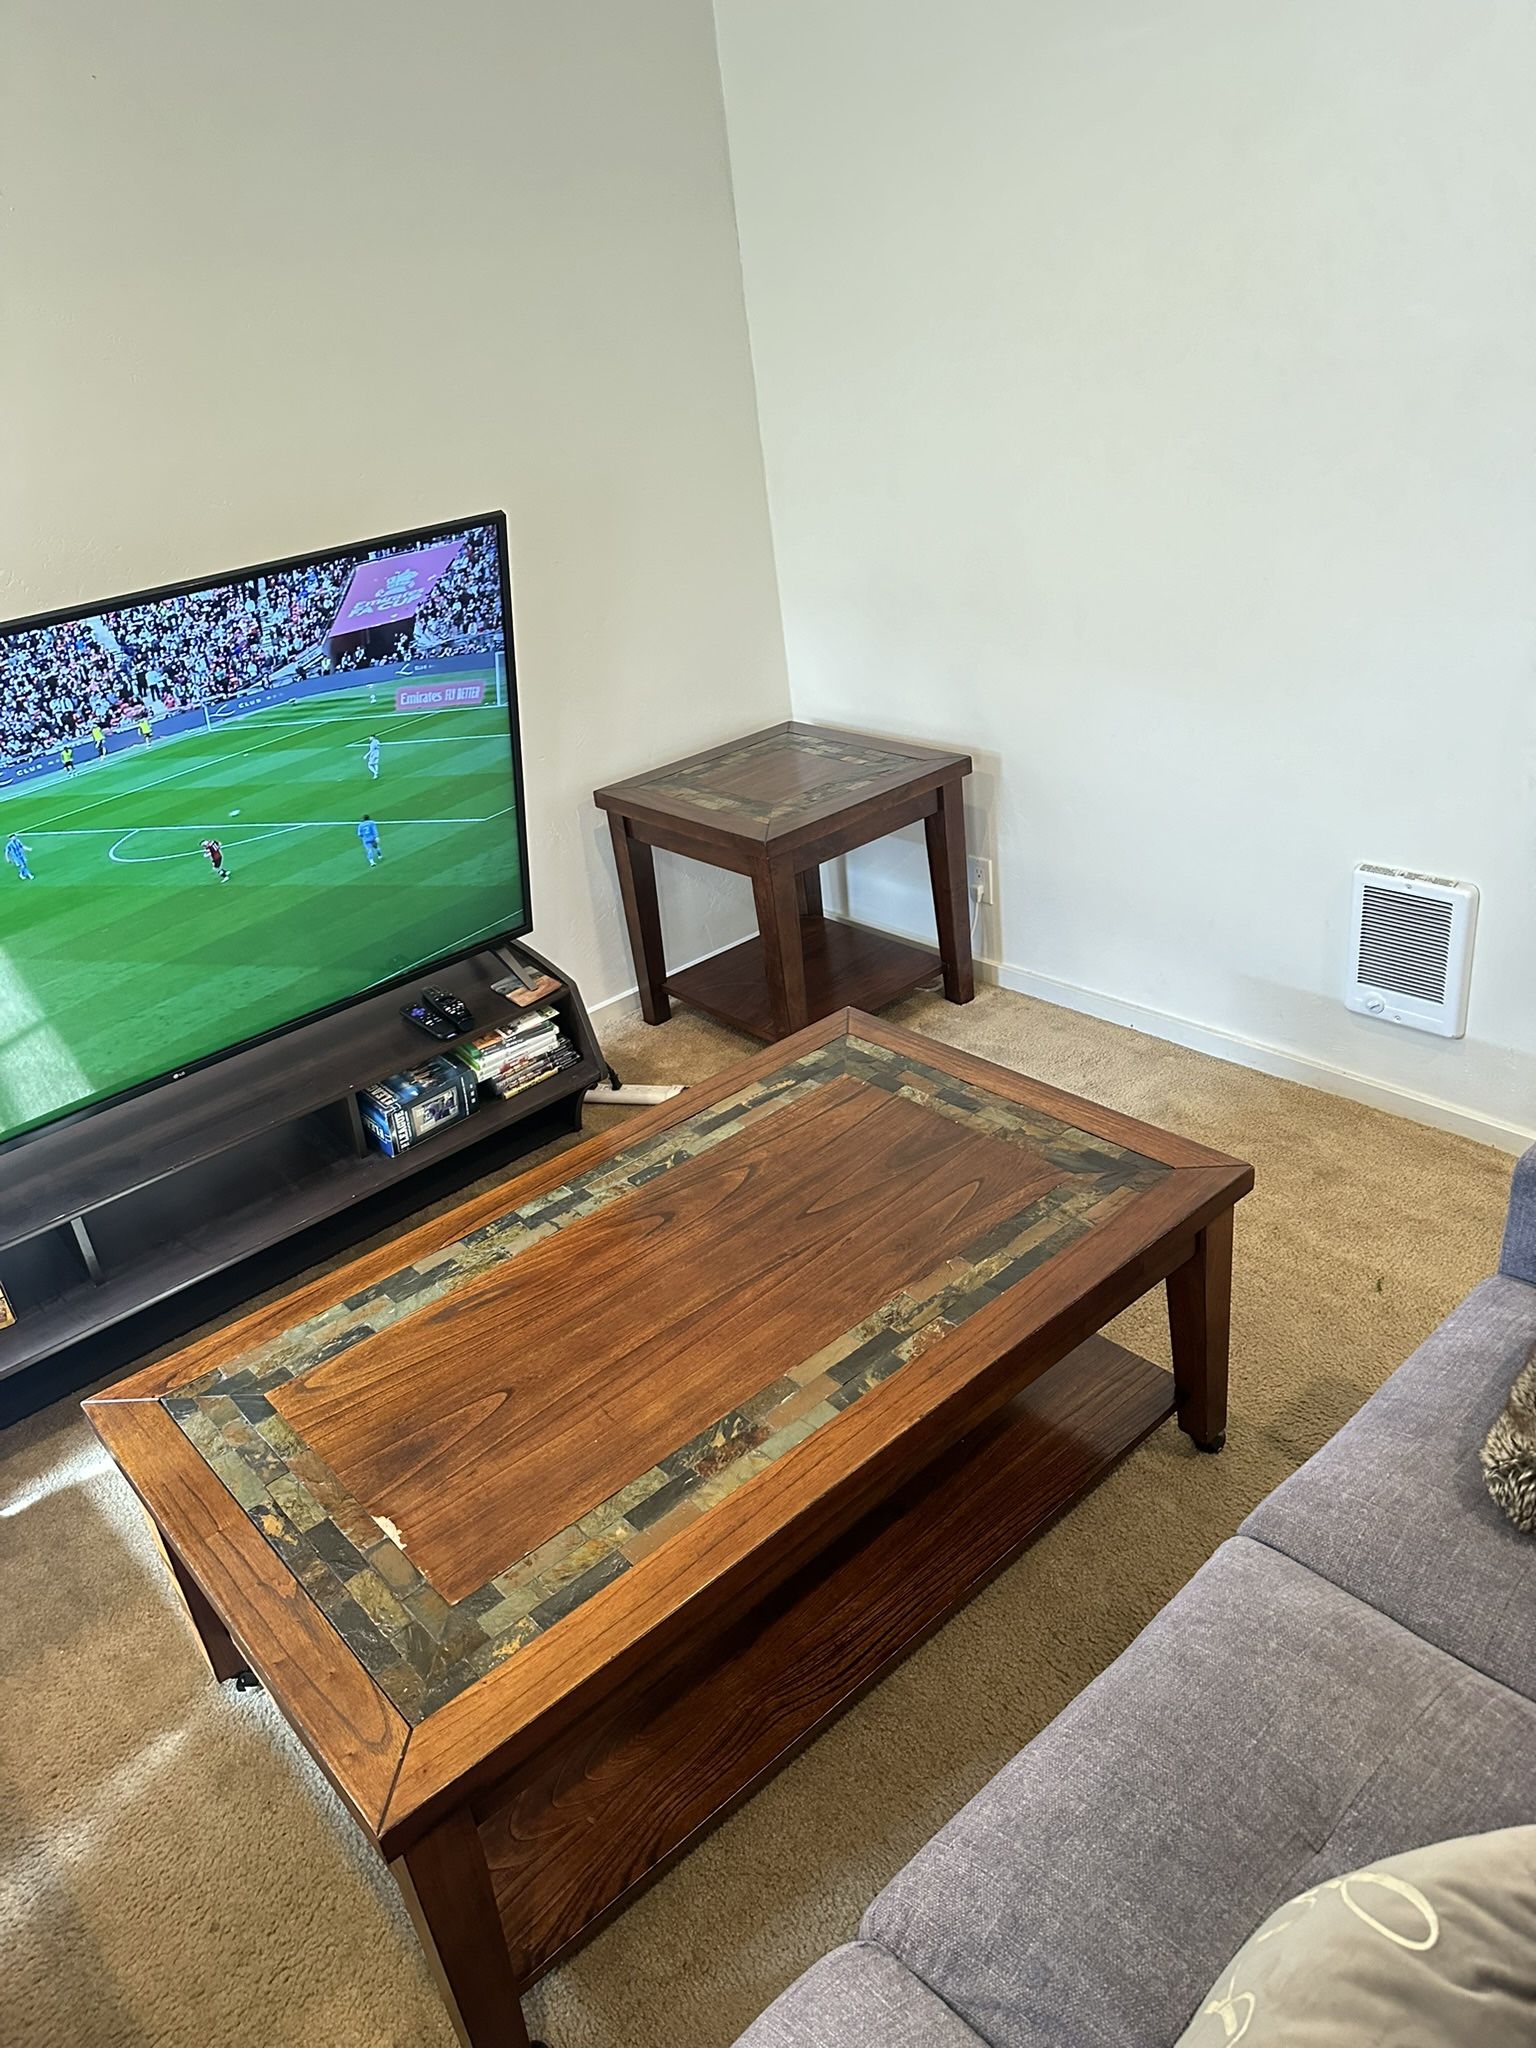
(1412, 948)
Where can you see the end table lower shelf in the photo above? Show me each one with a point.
(846, 966)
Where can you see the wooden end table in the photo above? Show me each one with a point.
(557, 1524)
(774, 806)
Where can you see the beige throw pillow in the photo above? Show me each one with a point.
(1434, 1947)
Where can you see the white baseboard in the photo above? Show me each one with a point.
(1222, 1045)
(625, 1004)
(1265, 1059)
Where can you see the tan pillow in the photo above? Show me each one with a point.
(1434, 1947)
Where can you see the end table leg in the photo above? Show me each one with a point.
(808, 889)
(944, 829)
(642, 914)
(1200, 1325)
(447, 1891)
(778, 919)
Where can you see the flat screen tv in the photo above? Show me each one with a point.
(230, 805)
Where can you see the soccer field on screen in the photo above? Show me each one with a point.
(126, 956)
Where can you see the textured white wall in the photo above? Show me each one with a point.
(279, 275)
(1148, 391)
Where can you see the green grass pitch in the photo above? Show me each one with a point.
(126, 957)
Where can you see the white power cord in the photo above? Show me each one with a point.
(632, 1094)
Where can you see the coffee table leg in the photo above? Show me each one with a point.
(808, 889)
(224, 1659)
(642, 914)
(1200, 1324)
(944, 829)
(778, 919)
(447, 1891)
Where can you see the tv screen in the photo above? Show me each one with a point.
(232, 804)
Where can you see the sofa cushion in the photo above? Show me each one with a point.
(1396, 1510)
(858, 1997)
(1265, 1732)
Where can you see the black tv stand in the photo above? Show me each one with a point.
(125, 1219)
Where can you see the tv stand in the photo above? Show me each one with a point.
(264, 1153)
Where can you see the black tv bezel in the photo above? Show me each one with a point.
(415, 535)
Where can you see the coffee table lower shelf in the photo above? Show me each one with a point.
(846, 965)
(630, 1789)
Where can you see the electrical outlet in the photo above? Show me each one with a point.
(978, 874)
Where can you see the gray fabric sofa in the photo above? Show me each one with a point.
(1351, 1675)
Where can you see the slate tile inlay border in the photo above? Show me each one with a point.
(851, 768)
(423, 1650)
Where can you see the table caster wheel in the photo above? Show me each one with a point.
(247, 1681)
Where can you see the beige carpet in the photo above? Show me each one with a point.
(173, 1870)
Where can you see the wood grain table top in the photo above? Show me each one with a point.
(449, 1497)
(781, 784)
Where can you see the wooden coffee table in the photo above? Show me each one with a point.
(774, 805)
(556, 1525)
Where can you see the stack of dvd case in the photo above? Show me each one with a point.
(511, 1057)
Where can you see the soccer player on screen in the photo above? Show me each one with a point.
(101, 740)
(16, 854)
(215, 852)
(146, 732)
(67, 756)
(368, 832)
(373, 757)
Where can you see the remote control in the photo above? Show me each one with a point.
(448, 1007)
(425, 1018)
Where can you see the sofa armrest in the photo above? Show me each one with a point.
(1518, 1258)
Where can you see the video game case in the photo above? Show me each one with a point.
(509, 1055)
(515, 1070)
(504, 1085)
(490, 1059)
(530, 1020)
(503, 1037)
(509, 1048)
